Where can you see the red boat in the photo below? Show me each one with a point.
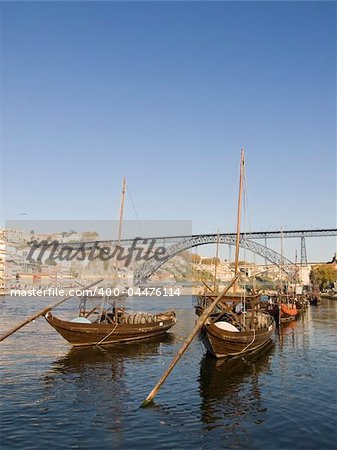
(283, 314)
(285, 310)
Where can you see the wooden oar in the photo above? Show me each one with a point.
(199, 323)
(42, 312)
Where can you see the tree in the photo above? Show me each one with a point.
(241, 263)
(210, 261)
(89, 235)
(323, 276)
(196, 258)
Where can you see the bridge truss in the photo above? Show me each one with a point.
(145, 270)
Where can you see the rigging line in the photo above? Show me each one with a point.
(246, 199)
(135, 211)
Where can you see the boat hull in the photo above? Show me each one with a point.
(87, 334)
(227, 344)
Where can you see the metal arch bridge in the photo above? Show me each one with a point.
(247, 241)
(148, 268)
(182, 243)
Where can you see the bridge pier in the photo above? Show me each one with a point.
(304, 259)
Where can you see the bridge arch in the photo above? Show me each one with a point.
(145, 270)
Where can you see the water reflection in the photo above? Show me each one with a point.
(89, 398)
(82, 360)
(295, 335)
(98, 383)
(230, 389)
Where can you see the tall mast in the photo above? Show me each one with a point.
(216, 259)
(281, 280)
(238, 223)
(121, 210)
(296, 271)
(120, 226)
(282, 263)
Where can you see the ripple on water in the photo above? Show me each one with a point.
(60, 397)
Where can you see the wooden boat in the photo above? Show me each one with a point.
(227, 337)
(283, 313)
(231, 330)
(126, 327)
(283, 308)
(109, 323)
(288, 311)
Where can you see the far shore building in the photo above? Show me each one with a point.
(13, 235)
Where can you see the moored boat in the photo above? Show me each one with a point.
(223, 339)
(231, 329)
(123, 328)
(288, 312)
(105, 323)
(283, 312)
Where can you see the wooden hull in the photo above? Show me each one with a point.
(228, 344)
(87, 334)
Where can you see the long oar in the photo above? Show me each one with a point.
(42, 312)
(201, 320)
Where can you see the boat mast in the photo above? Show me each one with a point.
(238, 223)
(281, 281)
(121, 211)
(282, 263)
(120, 226)
(216, 260)
(296, 273)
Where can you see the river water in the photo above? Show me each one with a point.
(53, 396)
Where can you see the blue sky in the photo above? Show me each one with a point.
(166, 94)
